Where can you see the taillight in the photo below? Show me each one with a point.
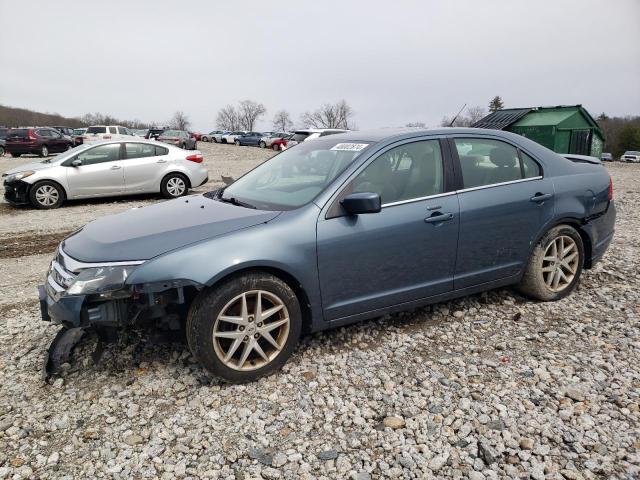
(31, 135)
(106, 137)
(195, 158)
(610, 196)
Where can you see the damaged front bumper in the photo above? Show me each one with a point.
(16, 193)
(157, 306)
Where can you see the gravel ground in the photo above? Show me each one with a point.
(489, 386)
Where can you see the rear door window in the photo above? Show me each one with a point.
(161, 151)
(139, 150)
(97, 130)
(488, 162)
(113, 130)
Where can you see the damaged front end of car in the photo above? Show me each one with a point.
(84, 297)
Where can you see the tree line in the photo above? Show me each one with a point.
(23, 117)
(247, 113)
(621, 133)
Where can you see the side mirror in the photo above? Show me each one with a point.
(76, 163)
(359, 203)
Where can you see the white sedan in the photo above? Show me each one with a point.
(116, 167)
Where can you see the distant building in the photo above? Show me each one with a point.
(563, 129)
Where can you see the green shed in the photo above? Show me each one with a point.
(563, 129)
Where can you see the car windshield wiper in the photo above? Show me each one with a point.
(235, 201)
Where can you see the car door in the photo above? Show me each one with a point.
(404, 253)
(57, 141)
(144, 166)
(505, 201)
(100, 172)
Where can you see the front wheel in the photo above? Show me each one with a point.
(46, 195)
(237, 143)
(245, 328)
(276, 147)
(1, 151)
(44, 151)
(263, 145)
(555, 265)
(174, 185)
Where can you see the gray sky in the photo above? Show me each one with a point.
(394, 61)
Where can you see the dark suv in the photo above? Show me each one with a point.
(39, 140)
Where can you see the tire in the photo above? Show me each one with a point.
(237, 143)
(16, 155)
(214, 140)
(541, 280)
(224, 140)
(44, 151)
(46, 195)
(263, 145)
(174, 185)
(204, 320)
(276, 147)
(1, 151)
(183, 146)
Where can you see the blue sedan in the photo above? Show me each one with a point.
(249, 138)
(330, 232)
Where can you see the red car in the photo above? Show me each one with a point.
(197, 136)
(39, 140)
(280, 143)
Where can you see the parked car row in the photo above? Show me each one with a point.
(275, 140)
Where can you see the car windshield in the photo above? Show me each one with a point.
(61, 157)
(632, 152)
(294, 177)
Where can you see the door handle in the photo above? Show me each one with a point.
(161, 161)
(541, 197)
(116, 167)
(438, 217)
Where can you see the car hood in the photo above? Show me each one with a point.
(30, 166)
(143, 233)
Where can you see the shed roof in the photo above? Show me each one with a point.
(501, 119)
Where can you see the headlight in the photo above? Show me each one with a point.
(19, 176)
(99, 280)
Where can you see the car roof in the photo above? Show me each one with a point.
(380, 134)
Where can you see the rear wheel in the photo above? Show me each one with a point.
(46, 195)
(16, 155)
(214, 139)
(262, 144)
(174, 185)
(245, 328)
(275, 147)
(224, 140)
(1, 151)
(44, 151)
(237, 143)
(555, 265)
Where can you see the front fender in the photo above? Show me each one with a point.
(287, 243)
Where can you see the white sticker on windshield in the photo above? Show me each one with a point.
(350, 147)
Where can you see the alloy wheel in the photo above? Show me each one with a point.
(176, 186)
(251, 330)
(46, 195)
(45, 151)
(560, 263)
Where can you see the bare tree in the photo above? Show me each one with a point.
(338, 115)
(228, 119)
(179, 121)
(282, 121)
(474, 114)
(467, 119)
(249, 112)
